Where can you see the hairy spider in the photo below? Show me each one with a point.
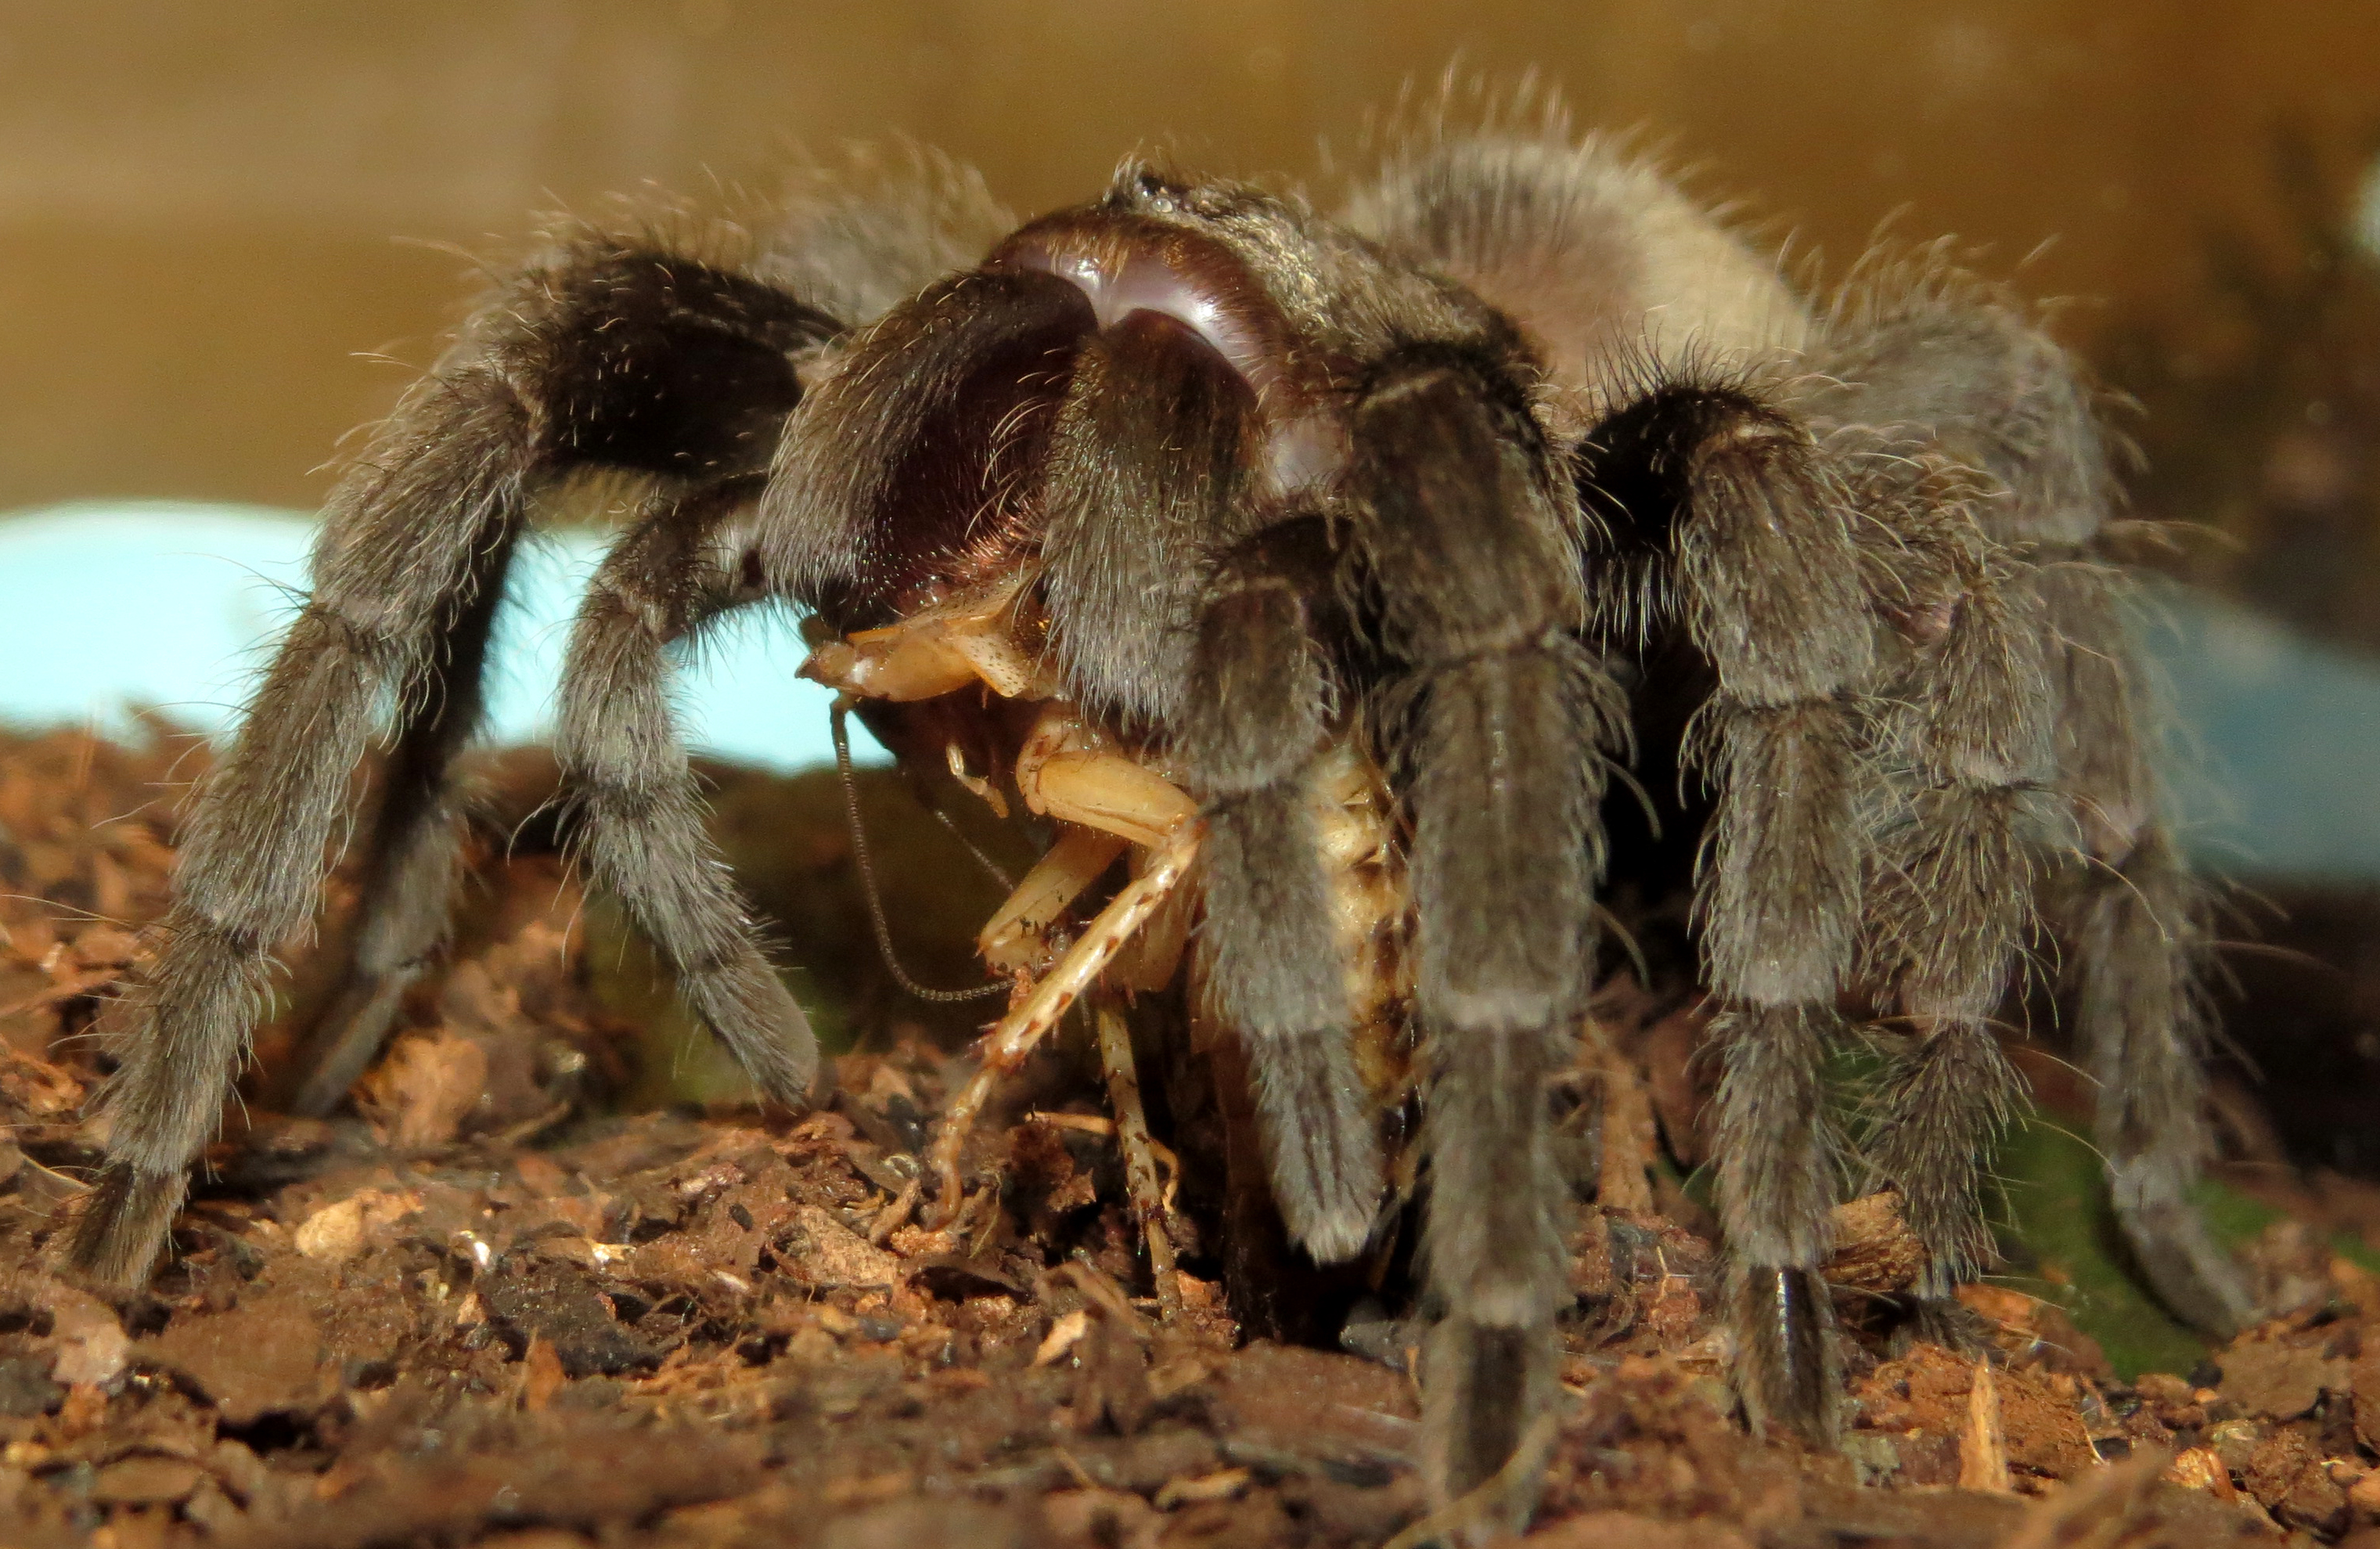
(1304, 563)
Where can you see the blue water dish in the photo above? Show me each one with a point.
(176, 607)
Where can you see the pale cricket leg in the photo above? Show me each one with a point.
(1071, 772)
(1027, 1024)
(1139, 1154)
(1016, 939)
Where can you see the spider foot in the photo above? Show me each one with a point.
(1488, 1423)
(121, 1228)
(1946, 1321)
(2183, 1265)
(1786, 1367)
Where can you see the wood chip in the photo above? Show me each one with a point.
(1218, 1486)
(1095, 1516)
(425, 1087)
(2199, 1469)
(337, 1232)
(1062, 1336)
(92, 1346)
(835, 1255)
(146, 1481)
(542, 1374)
(2268, 1377)
(1982, 1450)
(1874, 1250)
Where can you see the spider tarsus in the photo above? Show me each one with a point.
(1321, 1141)
(2190, 1272)
(750, 1010)
(1273, 962)
(1947, 1099)
(1786, 1369)
(1937, 1317)
(120, 1224)
(349, 1038)
(2143, 1027)
(1487, 1388)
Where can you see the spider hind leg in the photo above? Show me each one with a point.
(2027, 753)
(412, 854)
(2138, 923)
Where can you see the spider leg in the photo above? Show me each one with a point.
(1713, 490)
(2138, 932)
(606, 352)
(409, 878)
(1502, 726)
(1934, 362)
(1261, 707)
(1130, 546)
(1952, 900)
(399, 547)
(1928, 361)
(639, 812)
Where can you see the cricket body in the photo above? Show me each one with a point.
(1298, 570)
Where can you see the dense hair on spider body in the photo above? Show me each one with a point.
(1337, 546)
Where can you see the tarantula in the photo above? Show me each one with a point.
(1308, 563)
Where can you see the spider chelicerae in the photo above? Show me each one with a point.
(1317, 568)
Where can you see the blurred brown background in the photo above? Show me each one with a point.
(212, 216)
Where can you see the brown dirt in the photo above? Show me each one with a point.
(483, 1310)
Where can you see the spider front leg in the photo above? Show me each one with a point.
(1725, 489)
(607, 352)
(1501, 728)
(402, 547)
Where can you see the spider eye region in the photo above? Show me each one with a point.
(1123, 267)
(1120, 279)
